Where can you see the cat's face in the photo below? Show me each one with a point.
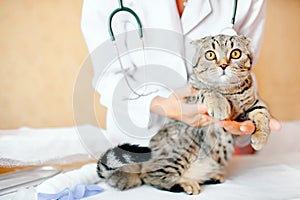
(222, 59)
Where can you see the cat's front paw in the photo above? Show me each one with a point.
(259, 139)
(218, 108)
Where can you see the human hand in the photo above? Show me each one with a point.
(196, 115)
(246, 127)
(176, 107)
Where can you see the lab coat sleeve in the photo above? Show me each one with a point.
(252, 24)
(93, 25)
(139, 109)
(94, 30)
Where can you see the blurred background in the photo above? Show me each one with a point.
(42, 51)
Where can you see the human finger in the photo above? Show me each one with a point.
(194, 90)
(183, 92)
(238, 128)
(194, 109)
(202, 109)
(275, 125)
(205, 120)
(201, 120)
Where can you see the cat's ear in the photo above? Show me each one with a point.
(246, 40)
(199, 42)
(194, 43)
(248, 48)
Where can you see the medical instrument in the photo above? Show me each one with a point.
(234, 12)
(229, 30)
(126, 9)
(126, 72)
(14, 181)
(226, 30)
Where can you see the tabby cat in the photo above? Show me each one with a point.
(181, 157)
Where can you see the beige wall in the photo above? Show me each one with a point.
(278, 70)
(42, 49)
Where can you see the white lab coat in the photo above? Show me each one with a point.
(199, 19)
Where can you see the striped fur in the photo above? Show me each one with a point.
(183, 157)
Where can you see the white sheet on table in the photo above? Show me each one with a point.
(29, 146)
(271, 174)
(274, 173)
(250, 177)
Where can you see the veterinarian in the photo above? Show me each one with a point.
(191, 19)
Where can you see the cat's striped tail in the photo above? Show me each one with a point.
(121, 165)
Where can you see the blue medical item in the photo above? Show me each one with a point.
(80, 191)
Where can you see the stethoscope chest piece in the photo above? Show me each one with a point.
(228, 31)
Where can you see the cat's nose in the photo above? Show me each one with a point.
(223, 66)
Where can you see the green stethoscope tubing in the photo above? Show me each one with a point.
(126, 9)
(234, 12)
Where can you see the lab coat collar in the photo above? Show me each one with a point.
(194, 12)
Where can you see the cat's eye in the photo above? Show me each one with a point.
(210, 55)
(236, 54)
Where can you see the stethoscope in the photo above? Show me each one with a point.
(226, 31)
(230, 30)
(126, 9)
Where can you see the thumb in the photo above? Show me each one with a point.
(183, 92)
(194, 91)
(198, 108)
(202, 108)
